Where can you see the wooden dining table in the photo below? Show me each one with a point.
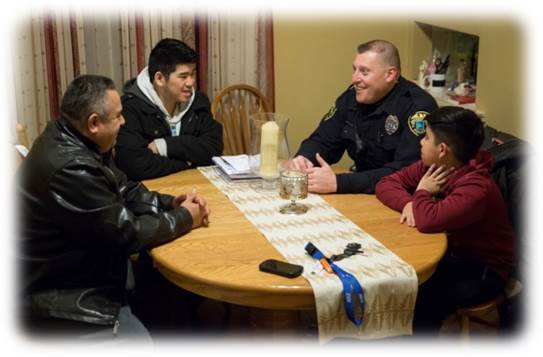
(221, 261)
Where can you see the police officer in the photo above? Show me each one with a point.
(379, 120)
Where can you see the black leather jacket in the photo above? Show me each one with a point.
(79, 220)
(199, 140)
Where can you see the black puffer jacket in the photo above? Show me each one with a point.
(199, 140)
(511, 161)
(79, 220)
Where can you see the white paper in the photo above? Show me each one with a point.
(240, 163)
(238, 166)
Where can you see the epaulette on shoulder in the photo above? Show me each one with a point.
(349, 89)
(418, 94)
(346, 93)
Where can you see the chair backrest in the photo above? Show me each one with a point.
(22, 136)
(233, 107)
(511, 162)
(23, 144)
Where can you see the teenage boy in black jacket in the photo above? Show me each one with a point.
(169, 126)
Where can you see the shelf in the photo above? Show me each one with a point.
(443, 99)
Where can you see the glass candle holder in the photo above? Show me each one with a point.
(269, 151)
(293, 187)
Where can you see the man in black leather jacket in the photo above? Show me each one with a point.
(169, 125)
(80, 218)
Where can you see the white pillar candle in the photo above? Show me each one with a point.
(268, 150)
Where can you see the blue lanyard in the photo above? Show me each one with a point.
(351, 287)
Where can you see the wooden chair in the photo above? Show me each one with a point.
(233, 107)
(22, 139)
(486, 313)
(22, 136)
(479, 313)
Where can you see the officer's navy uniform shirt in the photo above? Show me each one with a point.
(380, 138)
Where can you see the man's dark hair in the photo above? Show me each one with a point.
(388, 52)
(167, 54)
(85, 95)
(459, 128)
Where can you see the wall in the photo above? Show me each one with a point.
(313, 64)
(499, 72)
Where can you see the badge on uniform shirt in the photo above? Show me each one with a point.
(416, 122)
(391, 124)
(330, 113)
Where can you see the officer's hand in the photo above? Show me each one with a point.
(300, 163)
(407, 215)
(321, 179)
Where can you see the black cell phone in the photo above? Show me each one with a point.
(281, 268)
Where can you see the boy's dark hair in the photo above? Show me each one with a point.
(459, 128)
(85, 95)
(167, 54)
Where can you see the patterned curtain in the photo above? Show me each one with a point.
(31, 77)
(53, 49)
(240, 51)
(159, 25)
(265, 63)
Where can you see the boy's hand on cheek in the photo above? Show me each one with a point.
(435, 178)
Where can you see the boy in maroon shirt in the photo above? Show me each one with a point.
(450, 189)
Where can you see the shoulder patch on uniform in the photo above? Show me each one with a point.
(330, 113)
(416, 122)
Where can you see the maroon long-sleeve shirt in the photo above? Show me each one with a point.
(470, 209)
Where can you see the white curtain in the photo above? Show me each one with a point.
(100, 47)
(238, 52)
(233, 51)
(110, 42)
(161, 25)
(30, 79)
(105, 45)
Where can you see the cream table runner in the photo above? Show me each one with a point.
(389, 283)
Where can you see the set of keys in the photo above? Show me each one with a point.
(349, 251)
(352, 249)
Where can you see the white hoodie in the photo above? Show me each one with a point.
(174, 121)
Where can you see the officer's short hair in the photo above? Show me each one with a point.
(461, 129)
(389, 53)
(85, 95)
(167, 54)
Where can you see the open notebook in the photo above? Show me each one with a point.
(238, 167)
